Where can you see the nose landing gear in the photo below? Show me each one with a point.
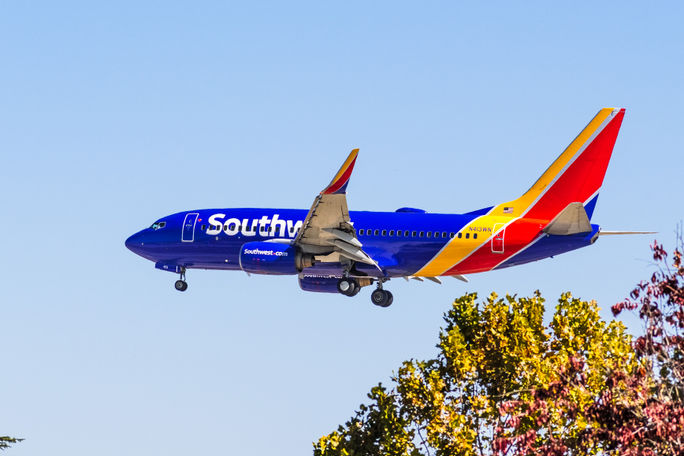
(181, 284)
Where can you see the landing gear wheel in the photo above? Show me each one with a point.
(382, 298)
(181, 284)
(348, 287)
(390, 299)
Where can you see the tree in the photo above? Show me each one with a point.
(504, 383)
(489, 356)
(638, 411)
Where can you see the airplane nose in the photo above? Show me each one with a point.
(134, 243)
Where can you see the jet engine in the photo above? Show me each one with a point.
(320, 284)
(273, 258)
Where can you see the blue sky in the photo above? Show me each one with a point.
(114, 115)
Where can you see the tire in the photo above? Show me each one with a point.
(181, 285)
(345, 286)
(390, 299)
(379, 297)
(348, 287)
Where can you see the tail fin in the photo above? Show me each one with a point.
(576, 175)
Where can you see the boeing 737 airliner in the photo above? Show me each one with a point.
(332, 249)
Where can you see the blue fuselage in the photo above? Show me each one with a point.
(400, 242)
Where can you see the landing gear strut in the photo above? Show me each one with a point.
(181, 284)
(380, 297)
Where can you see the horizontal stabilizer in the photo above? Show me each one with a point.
(420, 279)
(612, 233)
(571, 220)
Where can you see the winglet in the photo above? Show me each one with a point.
(339, 183)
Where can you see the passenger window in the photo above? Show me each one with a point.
(384, 232)
(203, 227)
(475, 236)
(467, 235)
(429, 233)
(443, 233)
(420, 234)
(451, 235)
(361, 232)
(413, 234)
(391, 232)
(376, 232)
(459, 235)
(406, 233)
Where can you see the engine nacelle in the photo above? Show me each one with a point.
(273, 258)
(319, 284)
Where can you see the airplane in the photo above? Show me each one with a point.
(334, 250)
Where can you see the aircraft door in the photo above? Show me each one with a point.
(189, 227)
(498, 239)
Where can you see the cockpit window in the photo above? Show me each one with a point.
(158, 225)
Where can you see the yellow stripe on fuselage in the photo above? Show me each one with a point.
(458, 249)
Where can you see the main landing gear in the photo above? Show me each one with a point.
(348, 286)
(181, 284)
(380, 297)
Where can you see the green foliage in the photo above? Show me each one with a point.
(377, 428)
(503, 383)
(482, 390)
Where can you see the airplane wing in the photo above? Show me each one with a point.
(327, 231)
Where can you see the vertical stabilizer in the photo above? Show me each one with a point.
(575, 177)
